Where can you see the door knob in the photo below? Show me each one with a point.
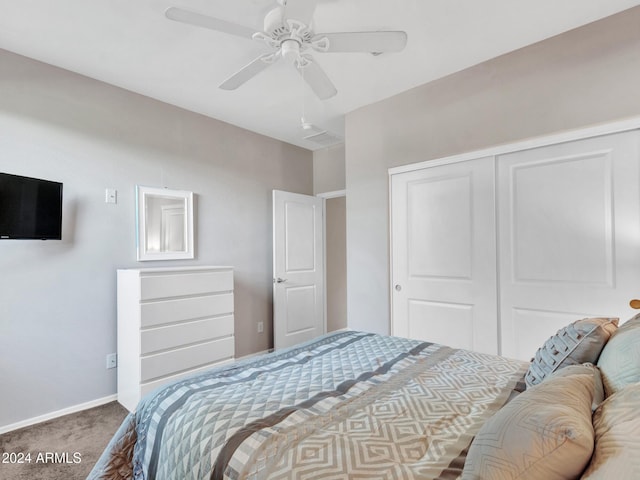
(280, 280)
(398, 287)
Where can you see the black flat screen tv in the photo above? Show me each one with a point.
(30, 208)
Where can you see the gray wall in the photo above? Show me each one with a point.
(58, 298)
(328, 176)
(328, 169)
(336, 261)
(584, 77)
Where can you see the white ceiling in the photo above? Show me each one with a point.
(132, 45)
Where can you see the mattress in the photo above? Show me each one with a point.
(346, 405)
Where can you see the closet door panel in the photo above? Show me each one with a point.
(443, 255)
(562, 220)
(568, 236)
(439, 239)
(442, 322)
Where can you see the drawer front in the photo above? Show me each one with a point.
(167, 363)
(187, 283)
(179, 310)
(163, 338)
(149, 386)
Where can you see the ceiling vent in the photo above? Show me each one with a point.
(324, 138)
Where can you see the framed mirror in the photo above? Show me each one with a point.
(164, 224)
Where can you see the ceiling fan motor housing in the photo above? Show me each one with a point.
(279, 28)
(274, 21)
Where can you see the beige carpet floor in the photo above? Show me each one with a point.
(65, 448)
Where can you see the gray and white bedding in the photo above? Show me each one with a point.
(346, 405)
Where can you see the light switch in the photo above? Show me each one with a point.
(111, 195)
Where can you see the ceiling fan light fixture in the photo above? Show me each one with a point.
(290, 50)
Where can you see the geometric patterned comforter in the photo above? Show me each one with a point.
(346, 405)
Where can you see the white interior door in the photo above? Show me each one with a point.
(569, 236)
(298, 268)
(444, 255)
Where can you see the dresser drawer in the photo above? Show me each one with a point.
(178, 310)
(187, 283)
(150, 386)
(168, 363)
(163, 338)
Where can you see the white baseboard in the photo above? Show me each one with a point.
(244, 357)
(59, 413)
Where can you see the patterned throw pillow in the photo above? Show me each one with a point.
(617, 445)
(543, 433)
(620, 359)
(577, 343)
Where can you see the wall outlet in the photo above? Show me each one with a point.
(112, 361)
(260, 327)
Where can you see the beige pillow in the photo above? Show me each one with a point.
(543, 433)
(577, 343)
(619, 361)
(617, 429)
(598, 387)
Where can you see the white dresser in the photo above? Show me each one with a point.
(171, 322)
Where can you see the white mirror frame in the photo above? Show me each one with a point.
(143, 197)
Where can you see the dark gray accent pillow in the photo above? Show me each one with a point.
(577, 343)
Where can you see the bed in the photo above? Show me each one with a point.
(346, 405)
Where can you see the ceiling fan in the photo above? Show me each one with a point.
(288, 32)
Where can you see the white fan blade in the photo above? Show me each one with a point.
(301, 10)
(314, 75)
(249, 71)
(372, 42)
(193, 18)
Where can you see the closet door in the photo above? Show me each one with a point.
(443, 255)
(569, 240)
